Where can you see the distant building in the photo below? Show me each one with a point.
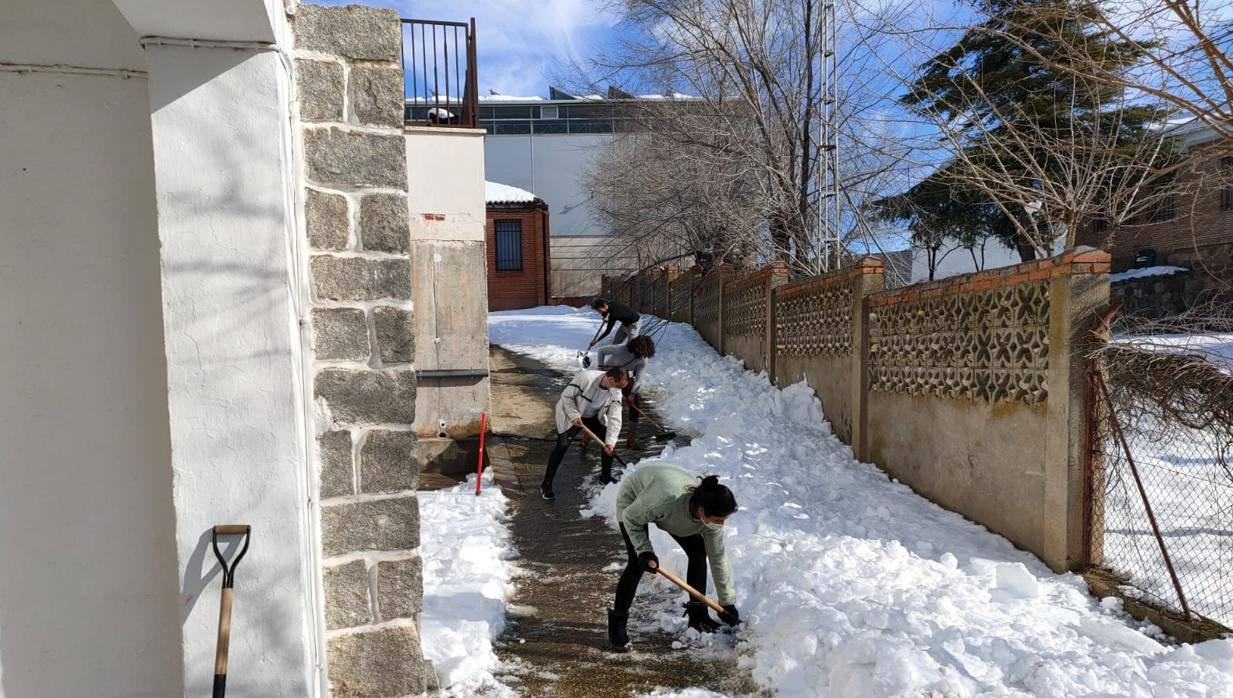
(547, 146)
(519, 256)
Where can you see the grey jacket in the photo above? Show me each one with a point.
(583, 391)
(619, 356)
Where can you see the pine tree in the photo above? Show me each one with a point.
(993, 96)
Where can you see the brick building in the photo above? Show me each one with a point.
(519, 257)
(1185, 244)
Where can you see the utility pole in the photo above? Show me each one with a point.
(830, 245)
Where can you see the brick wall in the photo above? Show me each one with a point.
(527, 288)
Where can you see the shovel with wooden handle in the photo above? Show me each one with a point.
(591, 434)
(224, 610)
(688, 589)
(664, 434)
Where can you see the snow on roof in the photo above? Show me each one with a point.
(1144, 272)
(508, 98)
(497, 193)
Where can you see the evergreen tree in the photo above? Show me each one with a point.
(1005, 108)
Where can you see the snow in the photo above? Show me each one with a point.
(497, 193)
(851, 584)
(467, 552)
(1144, 273)
(508, 98)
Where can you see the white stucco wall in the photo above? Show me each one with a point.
(234, 360)
(88, 587)
(445, 174)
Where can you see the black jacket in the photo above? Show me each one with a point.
(618, 312)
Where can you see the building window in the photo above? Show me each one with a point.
(509, 245)
(1226, 184)
(1163, 209)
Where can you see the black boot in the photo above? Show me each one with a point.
(700, 618)
(616, 629)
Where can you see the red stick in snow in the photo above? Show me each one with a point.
(479, 468)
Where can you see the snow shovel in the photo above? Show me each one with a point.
(598, 440)
(664, 434)
(224, 611)
(688, 589)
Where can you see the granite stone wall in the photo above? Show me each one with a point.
(348, 74)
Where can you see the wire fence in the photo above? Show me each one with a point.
(1163, 518)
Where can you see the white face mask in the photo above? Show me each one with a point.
(713, 526)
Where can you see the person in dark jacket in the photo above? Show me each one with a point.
(631, 356)
(612, 313)
(693, 513)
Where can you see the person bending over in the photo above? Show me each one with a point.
(693, 513)
(592, 399)
(631, 356)
(612, 313)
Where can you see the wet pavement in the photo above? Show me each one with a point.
(556, 641)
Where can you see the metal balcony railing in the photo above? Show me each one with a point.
(441, 83)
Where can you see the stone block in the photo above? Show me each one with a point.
(383, 223)
(337, 473)
(387, 462)
(377, 664)
(400, 588)
(377, 94)
(360, 279)
(395, 334)
(367, 396)
(320, 88)
(337, 157)
(340, 334)
(346, 596)
(353, 31)
(383, 524)
(328, 220)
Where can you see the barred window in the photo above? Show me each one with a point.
(509, 245)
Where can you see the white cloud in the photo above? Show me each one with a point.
(520, 42)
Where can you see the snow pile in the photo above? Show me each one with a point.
(853, 585)
(466, 550)
(1144, 272)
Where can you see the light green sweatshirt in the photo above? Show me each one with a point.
(659, 493)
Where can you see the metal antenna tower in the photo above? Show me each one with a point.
(831, 247)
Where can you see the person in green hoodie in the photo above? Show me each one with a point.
(693, 513)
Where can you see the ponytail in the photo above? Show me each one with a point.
(713, 498)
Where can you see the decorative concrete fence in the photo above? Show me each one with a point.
(680, 295)
(971, 390)
(663, 299)
(977, 395)
(646, 291)
(708, 300)
(819, 337)
(748, 325)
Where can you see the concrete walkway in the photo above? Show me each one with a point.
(556, 642)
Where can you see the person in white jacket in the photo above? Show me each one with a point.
(592, 399)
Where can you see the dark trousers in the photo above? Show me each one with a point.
(563, 441)
(633, 414)
(695, 573)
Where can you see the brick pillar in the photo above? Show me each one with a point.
(349, 81)
(1078, 292)
(778, 277)
(869, 276)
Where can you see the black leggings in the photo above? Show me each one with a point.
(563, 441)
(633, 414)
(695, 574)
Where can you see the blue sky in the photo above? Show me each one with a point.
(522, 44)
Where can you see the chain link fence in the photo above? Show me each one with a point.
(1163, 483)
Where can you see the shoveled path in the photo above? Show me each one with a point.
(556, 641)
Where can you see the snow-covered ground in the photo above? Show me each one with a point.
(468, 578)
(853, 585)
